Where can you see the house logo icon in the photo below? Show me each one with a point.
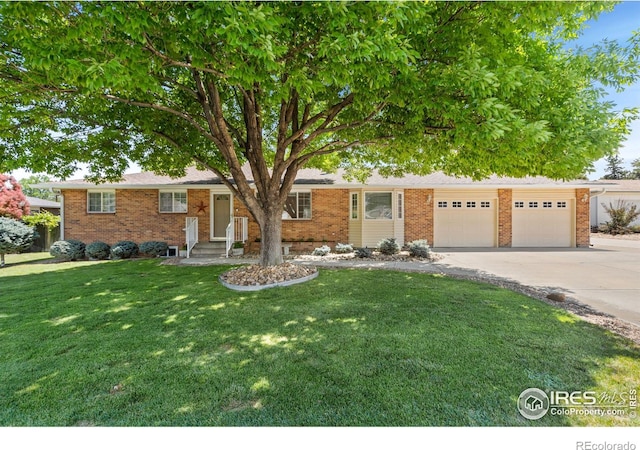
(533, 403)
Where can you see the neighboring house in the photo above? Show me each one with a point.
(38, 205)
(327, 208)
(45, 237)
(609, 192)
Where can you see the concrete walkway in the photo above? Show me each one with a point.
(606, 276)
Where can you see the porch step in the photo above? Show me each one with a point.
(208, 249)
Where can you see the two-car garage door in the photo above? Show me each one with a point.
(470, 219)
(465, 221)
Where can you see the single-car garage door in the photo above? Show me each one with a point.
(464, 223)
(542, 223)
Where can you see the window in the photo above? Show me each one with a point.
(519, 204)
(101, 202)
(377, 206)
(173, 202)
(485, 204)
(561, 204)
(533, 204)
(298, 206)
(400, 206)
(547, 204)
(471, 204)
(442, 204)
(456, 204)
(354, 205)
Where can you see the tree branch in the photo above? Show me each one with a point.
(166, 109)
(329, 115)
(172, 62)
(330, 148)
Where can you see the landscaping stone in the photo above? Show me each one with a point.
(256, 275)
(557, 296)
(402, 256)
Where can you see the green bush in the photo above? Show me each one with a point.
(44, 218)
(124, 250)
(15, 236)
(344, 248)
(154, 248)
(363, 252)
(419, 248)
(97, 250)
(68, 250)
(322, 251)
(388, 246)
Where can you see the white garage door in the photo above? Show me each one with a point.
(464, 223)
(542, 223)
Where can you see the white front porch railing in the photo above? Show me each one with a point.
(237, 230)
(191, 232)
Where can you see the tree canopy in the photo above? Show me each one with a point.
(41, 193)
(469, 88)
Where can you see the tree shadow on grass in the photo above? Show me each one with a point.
(137, 343)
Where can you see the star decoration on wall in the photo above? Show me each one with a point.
(201, 208)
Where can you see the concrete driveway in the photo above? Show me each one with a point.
(605, 276)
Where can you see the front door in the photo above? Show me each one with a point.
(220, 215)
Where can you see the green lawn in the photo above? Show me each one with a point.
(349, 348)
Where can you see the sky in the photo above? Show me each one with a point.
(618, 25)
(615, 25)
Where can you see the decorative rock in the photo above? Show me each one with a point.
(271, 276)
(557, 296)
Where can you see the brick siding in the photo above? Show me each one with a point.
(505, 221)
(582, 218)
(329, 223)
(137, 218)
(418, 218)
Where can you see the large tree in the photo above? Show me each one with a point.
(470, 88)
(615, 168)
(41, 193)
(634, 173)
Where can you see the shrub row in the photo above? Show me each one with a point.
(73, 250)
(418, 248)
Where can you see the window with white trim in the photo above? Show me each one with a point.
(378, 206)
(354, 206)
(519, 204)
(547, 204)
(533, 204)
(297, 206)
(442, 204)
(471, 204)
(101, 201)
(173, 202)
(400, 206)
(485, 204)
(456, 204)
(561, 204)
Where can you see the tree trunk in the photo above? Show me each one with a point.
(271, 238)
(1, 259)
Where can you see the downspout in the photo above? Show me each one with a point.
(59, 193)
